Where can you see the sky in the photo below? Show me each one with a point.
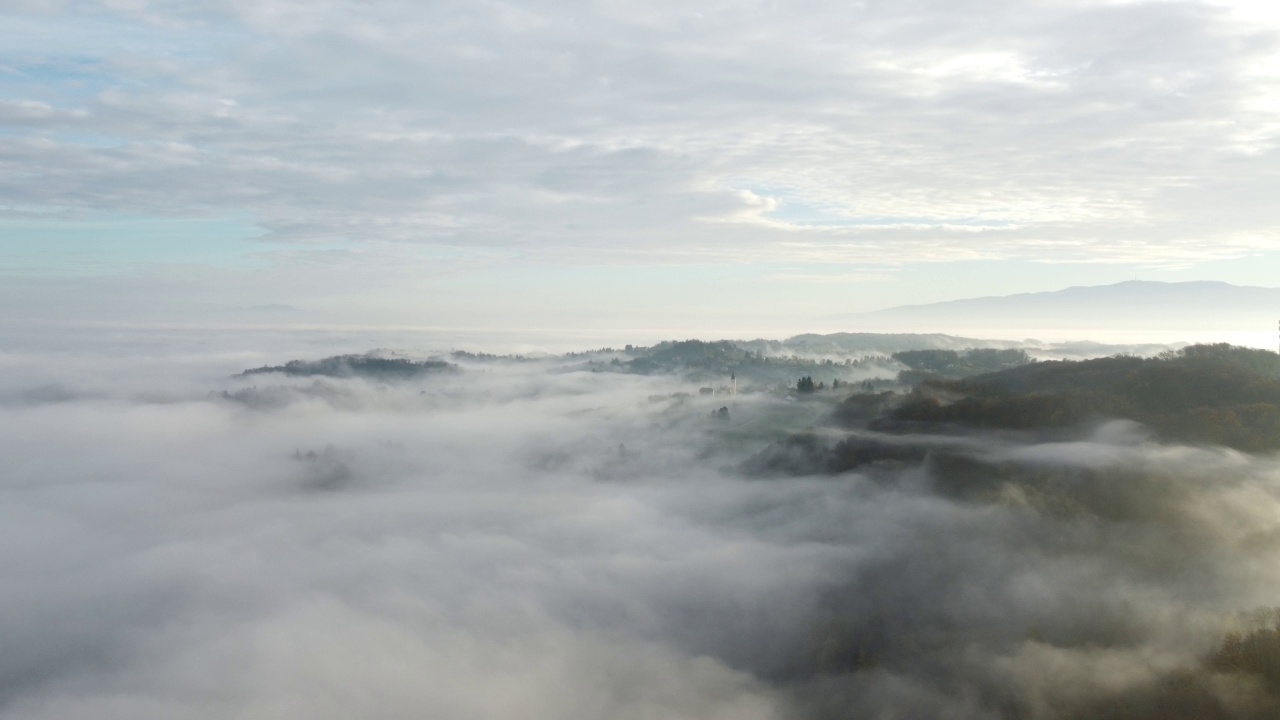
(719, 168)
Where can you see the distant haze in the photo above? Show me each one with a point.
(1133, 310)
(1127, 313)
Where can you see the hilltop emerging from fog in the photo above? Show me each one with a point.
(369, 366)
(829, 359)
(1057, 458)
(1211, 394)
(1208, 394)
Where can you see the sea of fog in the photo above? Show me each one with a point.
(534, 540)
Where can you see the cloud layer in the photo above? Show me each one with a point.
(533, 540)
(654, 132)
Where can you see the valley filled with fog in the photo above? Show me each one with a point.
(518, 531)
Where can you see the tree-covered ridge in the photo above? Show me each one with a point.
(371, 367)
(694, 354)
(1216, 394)
(952, 363)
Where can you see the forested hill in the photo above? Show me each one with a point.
(950, 363)
(1216, 394)
(366, 366)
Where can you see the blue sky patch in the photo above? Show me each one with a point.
(105, 245)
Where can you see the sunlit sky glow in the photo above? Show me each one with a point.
(722, 166)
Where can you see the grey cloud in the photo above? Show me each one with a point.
(619, 129)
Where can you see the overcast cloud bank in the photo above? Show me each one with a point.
(436, 161)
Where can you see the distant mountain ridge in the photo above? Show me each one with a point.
(1132, 304)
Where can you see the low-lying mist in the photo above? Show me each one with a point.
(540, 540)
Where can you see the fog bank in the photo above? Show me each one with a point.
(531, 540)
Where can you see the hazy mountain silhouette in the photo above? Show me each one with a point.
(1180, 306)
